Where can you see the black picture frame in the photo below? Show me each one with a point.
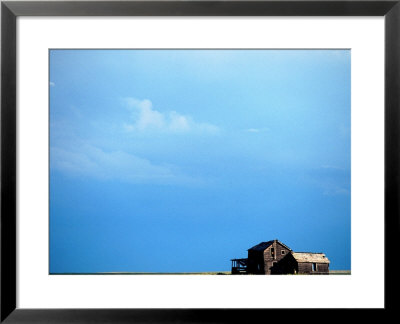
(10, 10)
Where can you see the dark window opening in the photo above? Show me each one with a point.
(314, 267)
(283, 251)
(272, 252)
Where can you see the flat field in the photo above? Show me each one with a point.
(332, 272)
(340, 272)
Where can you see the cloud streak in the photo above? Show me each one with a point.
(90, 161)
(146, 119)
(257, 130)
(333, 180)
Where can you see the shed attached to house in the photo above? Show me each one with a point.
(303, 263)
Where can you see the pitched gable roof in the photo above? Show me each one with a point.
(264, 245)
(261, 246)
(310, 257)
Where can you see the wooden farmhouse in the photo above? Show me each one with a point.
(274, 257)
(262, 257)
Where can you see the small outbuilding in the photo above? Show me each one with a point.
(302, 263)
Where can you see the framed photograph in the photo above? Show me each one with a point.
(198, 161)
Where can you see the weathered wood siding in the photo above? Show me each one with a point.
(270, 259)
(321, 268)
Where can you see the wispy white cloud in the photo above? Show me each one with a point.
(332, 167)
(90, 161)
(328, 179)
(334, 180)
(256, 130)
(145, 118)
(52, 84)
(335, 190)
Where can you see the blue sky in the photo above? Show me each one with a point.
(179, 160)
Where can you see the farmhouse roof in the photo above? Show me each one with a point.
(310, 257)
(263, 245)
